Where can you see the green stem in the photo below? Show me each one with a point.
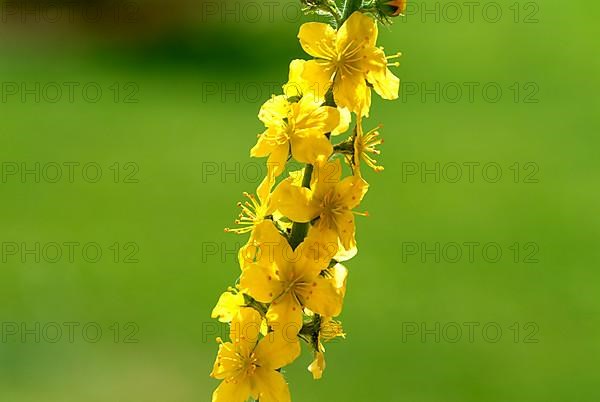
(300, 230)
(351, 6)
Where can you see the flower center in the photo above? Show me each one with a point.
(331, 207)
(348, 61)
(250, 364)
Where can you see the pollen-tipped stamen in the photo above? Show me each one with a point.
(391, 57)
(359, 213)
(331, 329)
(367, 144)
(249, 217)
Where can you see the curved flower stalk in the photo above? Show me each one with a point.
(302, 225)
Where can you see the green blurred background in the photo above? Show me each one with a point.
(174, 127)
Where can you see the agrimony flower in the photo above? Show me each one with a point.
(297, 87)
(330, 200)
(248, 367)
(348, 59)
(294, 281)
(298, 128)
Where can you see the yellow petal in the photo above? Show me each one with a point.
(358, 30)
(317, 366)
(345, 120)
(264, 188)
(324, 119)
(271, 386)
(283, 255)
(352, 189)
(322, 296)
(340, 276)
(264, 146)
(260, 249)
(304, 107)
(278, 158)
(245, 328)
(346, 229)
(323, 243)
(260, 282)
(286, 312)
(385, 83)
(326, 175)
(351, 91)
(315, 254)
(237, 391)
(318, 74)
(228, 306)
(295, 202)
(310, 146)
(277, 349)
(299, 86)
(296, 85)
(227, 361)
(365, 106)
(274, 111)
(345, 254)
(318, 40)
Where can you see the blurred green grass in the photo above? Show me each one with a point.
(171, 133)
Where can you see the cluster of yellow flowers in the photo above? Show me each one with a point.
(292, 283)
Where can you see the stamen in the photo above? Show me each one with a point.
(252, 214)
(394, 56)
(331, 329)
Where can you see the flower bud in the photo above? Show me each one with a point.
(391, 8)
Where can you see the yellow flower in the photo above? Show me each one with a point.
(364, 145)
(330, 200)
(228, 306)
(348, 59)
(298, 128)
(328, 330)
(297, 86)
(254, 211)
(294, 280)
(248, 367)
